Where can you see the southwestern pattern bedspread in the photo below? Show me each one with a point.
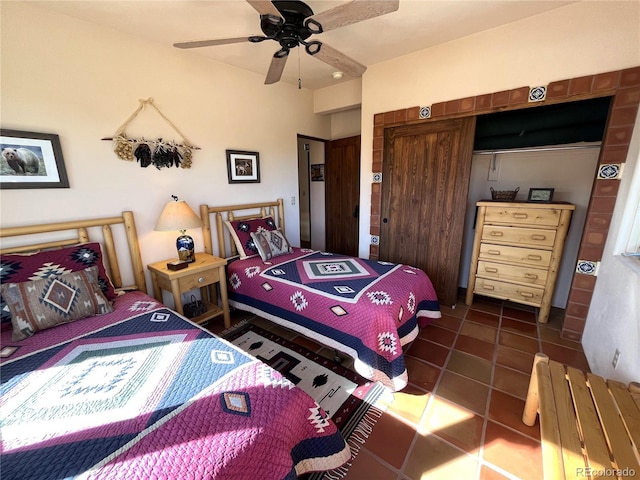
(366, 309)
(143, 393)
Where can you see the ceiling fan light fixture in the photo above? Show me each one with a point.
(337, 75)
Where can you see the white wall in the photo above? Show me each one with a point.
(346, 124)
(81, 81)
(569, 171)
(336, 98)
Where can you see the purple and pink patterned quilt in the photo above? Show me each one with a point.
(143, 393)
(366, 309)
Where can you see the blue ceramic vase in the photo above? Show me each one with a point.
(186, 247)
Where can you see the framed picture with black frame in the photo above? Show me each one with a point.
(317, 172)
(243, 166)
(540, 195)
(31, 160)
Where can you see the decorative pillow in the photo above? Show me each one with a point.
(271, 244)
(17, 268)
(241, 233)
(51, 301)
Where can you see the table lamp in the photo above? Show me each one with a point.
(177, 215)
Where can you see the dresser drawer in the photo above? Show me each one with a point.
(528, 295)
(198, 280)
(515, 255)
(512, 273)
(535, 237)
(523, 216)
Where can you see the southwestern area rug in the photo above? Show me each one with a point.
(348, 398)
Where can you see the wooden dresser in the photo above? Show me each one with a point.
(517, 250)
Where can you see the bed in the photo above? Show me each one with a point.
(365, 309)
(133, 390)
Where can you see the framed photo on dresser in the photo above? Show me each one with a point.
(540, 195)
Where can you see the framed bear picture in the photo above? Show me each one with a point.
(31, 160)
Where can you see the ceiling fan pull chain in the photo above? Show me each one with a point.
(299, 79)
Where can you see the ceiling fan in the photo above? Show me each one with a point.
(292, 22)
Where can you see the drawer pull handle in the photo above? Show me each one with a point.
(526, 294)
(533, 276)
(538, 237)
(491, 269)
(520, 215)
(494, 252)
(496, 234)
(200, 279)
(534, 257)
(488, 287)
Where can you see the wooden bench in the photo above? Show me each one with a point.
(589, 426)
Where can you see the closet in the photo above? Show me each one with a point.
(428, 193)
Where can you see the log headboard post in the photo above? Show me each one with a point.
(82, 236)
(206, 229)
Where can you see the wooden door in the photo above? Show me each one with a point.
(342, 195)
(426, 171)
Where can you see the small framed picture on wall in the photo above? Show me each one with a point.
(317, 172)
(243, 167)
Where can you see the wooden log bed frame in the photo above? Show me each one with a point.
(589, 426)
(233, 212)
(178, 411)
(80, 233)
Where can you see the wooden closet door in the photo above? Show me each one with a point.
(426, 171)
(342, 195)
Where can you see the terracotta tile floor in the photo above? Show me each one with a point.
(460, 416)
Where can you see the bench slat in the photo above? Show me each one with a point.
(571, 444)
(592, 435)
(629, 411)
(613, 427)
(549, 431)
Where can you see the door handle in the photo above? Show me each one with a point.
(356, 211)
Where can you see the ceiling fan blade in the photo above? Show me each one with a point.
(209, 43)
(352, 12)
(276, 68)
(264, 7)
(338, 60)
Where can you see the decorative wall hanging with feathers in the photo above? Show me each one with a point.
(160, 153)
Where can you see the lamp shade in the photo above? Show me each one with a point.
(177, 215)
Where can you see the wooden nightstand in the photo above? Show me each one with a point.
(205, 273)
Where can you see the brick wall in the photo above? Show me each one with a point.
(624, 88)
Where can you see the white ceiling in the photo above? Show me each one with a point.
(416, 25)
